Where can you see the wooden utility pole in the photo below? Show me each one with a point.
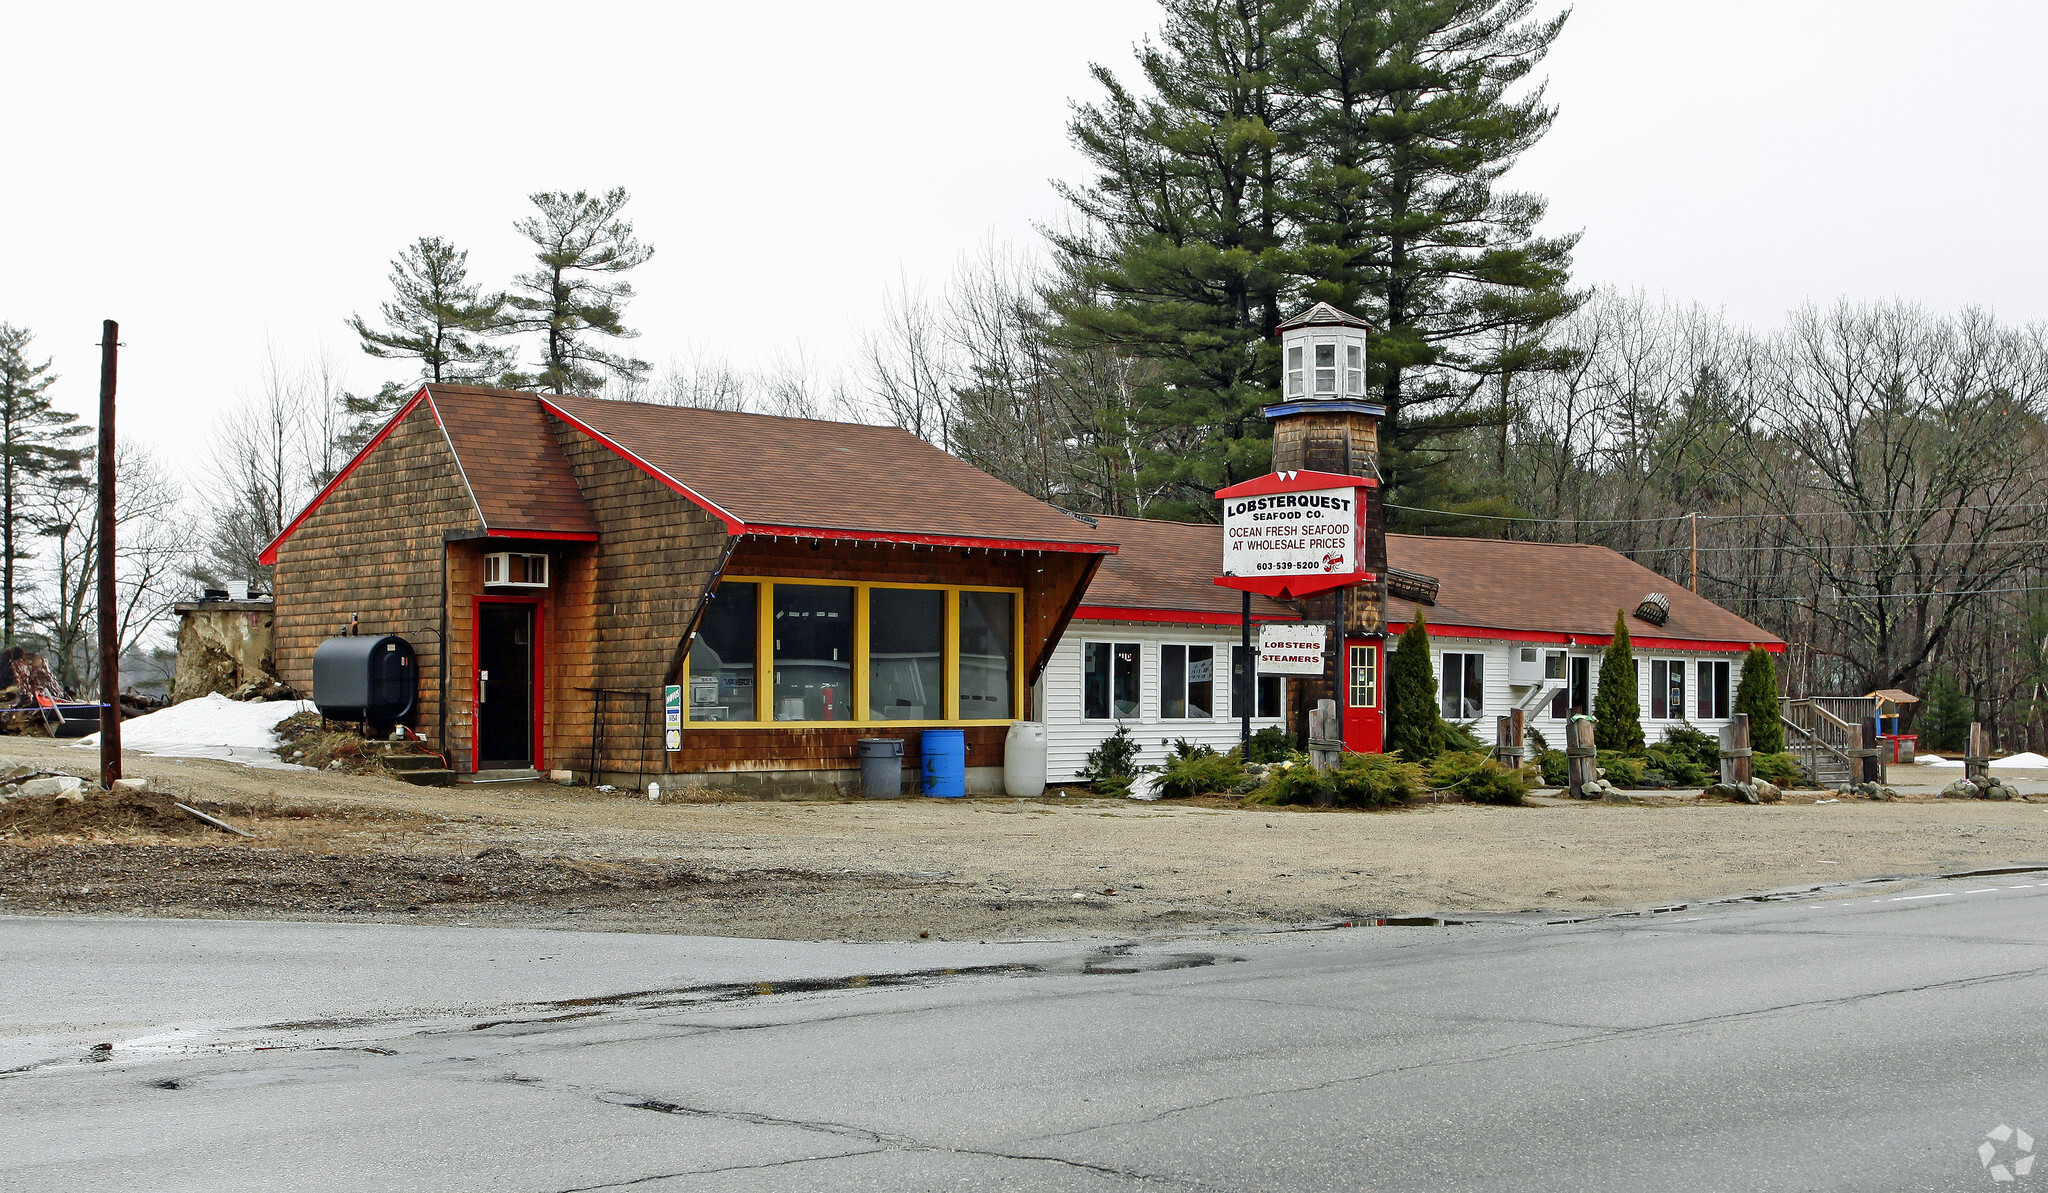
(109, 621)
(1695, 570)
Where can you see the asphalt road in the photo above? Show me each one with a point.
(1867, 1043)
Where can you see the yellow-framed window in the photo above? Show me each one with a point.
(774, 650)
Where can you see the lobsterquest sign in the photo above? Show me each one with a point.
(1292, 534)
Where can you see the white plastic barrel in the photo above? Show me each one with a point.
(1024, 759)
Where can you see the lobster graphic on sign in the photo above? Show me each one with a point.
(1332, 562)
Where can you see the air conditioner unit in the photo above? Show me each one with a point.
(510, 569)
(1525, 666)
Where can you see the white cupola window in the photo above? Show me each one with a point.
(1294, 371)
(1354, 369)
(1326, 369)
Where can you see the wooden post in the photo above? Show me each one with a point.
(1872, 753)
(1581, 756)
(1507, 747)
(1735, 750)
(1977, 759)
(109, 600)
(1325, 735)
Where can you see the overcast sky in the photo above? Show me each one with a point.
(228, 180)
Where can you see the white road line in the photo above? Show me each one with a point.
(2025, 886)
(1982, 890)
(1910, 898)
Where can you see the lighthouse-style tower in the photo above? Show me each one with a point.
(1325, 422)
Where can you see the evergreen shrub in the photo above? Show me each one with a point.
(1110, 766)
(1479, 778)
(1268, 746)
(1556, 768)
(1781, 768)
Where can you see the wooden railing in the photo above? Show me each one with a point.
(1823, 730)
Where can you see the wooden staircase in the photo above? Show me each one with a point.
(1822, 736)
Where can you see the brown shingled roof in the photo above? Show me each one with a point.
(1170, 566)
(1566, 588)
(811, 474)
(512, 460)
(1562, 588)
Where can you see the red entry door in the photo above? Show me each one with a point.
(1359, 674)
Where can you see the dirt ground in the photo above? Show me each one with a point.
(340, 847)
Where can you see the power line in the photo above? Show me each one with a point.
(1879, 596)
(1904, 509)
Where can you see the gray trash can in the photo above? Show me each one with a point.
(881, 767)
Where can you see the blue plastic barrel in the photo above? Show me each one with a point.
(944, 762)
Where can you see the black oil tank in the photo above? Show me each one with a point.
(365, 679)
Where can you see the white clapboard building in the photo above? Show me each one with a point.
(1512, 625)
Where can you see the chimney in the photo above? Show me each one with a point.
(1324, 422)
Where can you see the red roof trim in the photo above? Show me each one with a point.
(933, 540)
(732, 525)
(1635, 642)
(1169, 616)
(1296, 482)
(564, 536)
(269, 556)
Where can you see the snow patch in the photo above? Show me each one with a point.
(2026, 761)
(211, 727)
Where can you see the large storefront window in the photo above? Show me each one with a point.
(820, 652)
(988, 654)
(722, 657)
(1271, 700)
(906, 654)
(813, 652)
(1464, 685)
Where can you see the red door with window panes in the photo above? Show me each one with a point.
(1358, 687)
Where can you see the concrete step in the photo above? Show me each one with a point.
(524, 774)
(413, 762)
(427, 778)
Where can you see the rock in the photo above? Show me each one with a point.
(130, 786)
(54, 785)
(1886, 793)
(73, 796)
(1768, 791)
(1998, 790)
(1960, 789)
(18, 772)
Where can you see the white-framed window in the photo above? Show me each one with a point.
(1667, 689)
(1354, 369)
(1187, 682)
(1109, 680)
(1363, 676)
(1714, 705)
(1270, 699)
(1464, 684)
(1326, 368)
(1294, 371)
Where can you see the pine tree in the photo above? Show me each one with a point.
(1176, 252)
(579, 239)
(1617, 708)
(1407, 128)
(35, 445)
(435, 316)
(1944, 721)
(1414, 723)
(1756, 693)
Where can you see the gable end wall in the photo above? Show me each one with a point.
(373, 549)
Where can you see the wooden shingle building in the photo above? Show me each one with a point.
(557, 562)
